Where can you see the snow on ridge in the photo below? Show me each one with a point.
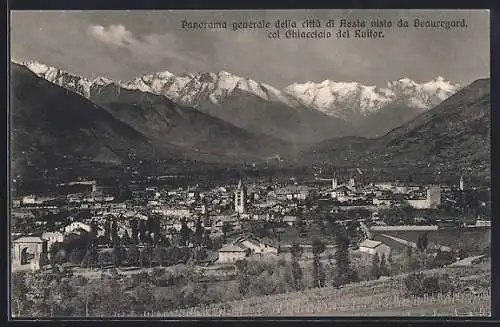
(78, 84)
(274, 93)
(330, 97)
(185, 88)
(335, 98)
(37, 67)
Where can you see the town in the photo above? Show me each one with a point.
(228, 223)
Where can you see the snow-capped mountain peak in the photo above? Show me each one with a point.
(345, 99)
(331, 94)
(76, 83)
(192, 88)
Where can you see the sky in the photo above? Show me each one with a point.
(122, 45)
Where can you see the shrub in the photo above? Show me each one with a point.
(162, 278)
(442, 259)
(419, 285)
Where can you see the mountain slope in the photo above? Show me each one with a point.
(50, 124)
(301, 113)
(256, 107)
(201, 136)
(453, 135)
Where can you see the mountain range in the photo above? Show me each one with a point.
(51, 123)
(453, 135)
(223, 118)
(299, 113)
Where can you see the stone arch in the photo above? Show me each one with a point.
(28, 253)
(24, 260)
(27, 250)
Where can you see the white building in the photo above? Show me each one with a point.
(382, 201)
(52, 237)
(483, 223)
(176, 212)
(75, 226)
(290, 220)
(374, 247)
(232, 253)
(293, 192)
(268, 249)
(29, 199)
(431, 201)
(254, 245)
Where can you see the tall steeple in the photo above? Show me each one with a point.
(352, 183)
(240, 198)
(334, 182)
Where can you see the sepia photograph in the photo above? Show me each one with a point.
(177, 164)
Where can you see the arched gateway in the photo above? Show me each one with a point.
(27, 250)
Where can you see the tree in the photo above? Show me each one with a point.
(76, 256)
(133, 255)
(375, 268)
(174, 255)
(44, 260)
(158, 255)
(114, 231)
(134, 227)
(318, 247)
(92, 235)
(199, 254)
(117, 253)
(207, 241)
(422, 242)
(164, 241)
(297, 273)
(91, 258)
(198, 233)
(124, 193)
(243, 276)
(126, 240)
(226, 229)
(412, 262)
(149, 225)
(384, 269)
(142, 231)
(156, 229)
(185, 233)
(345, 273)
(146, 256)
(19, 291)
(107, 231)
(442, 259)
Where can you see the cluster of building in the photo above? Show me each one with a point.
(385, 194)
(218, 207)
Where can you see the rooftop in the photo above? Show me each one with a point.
(232, 248)
(29, 239)
(370, 244)
(293, 188)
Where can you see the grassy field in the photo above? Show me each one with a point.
(372, 298)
